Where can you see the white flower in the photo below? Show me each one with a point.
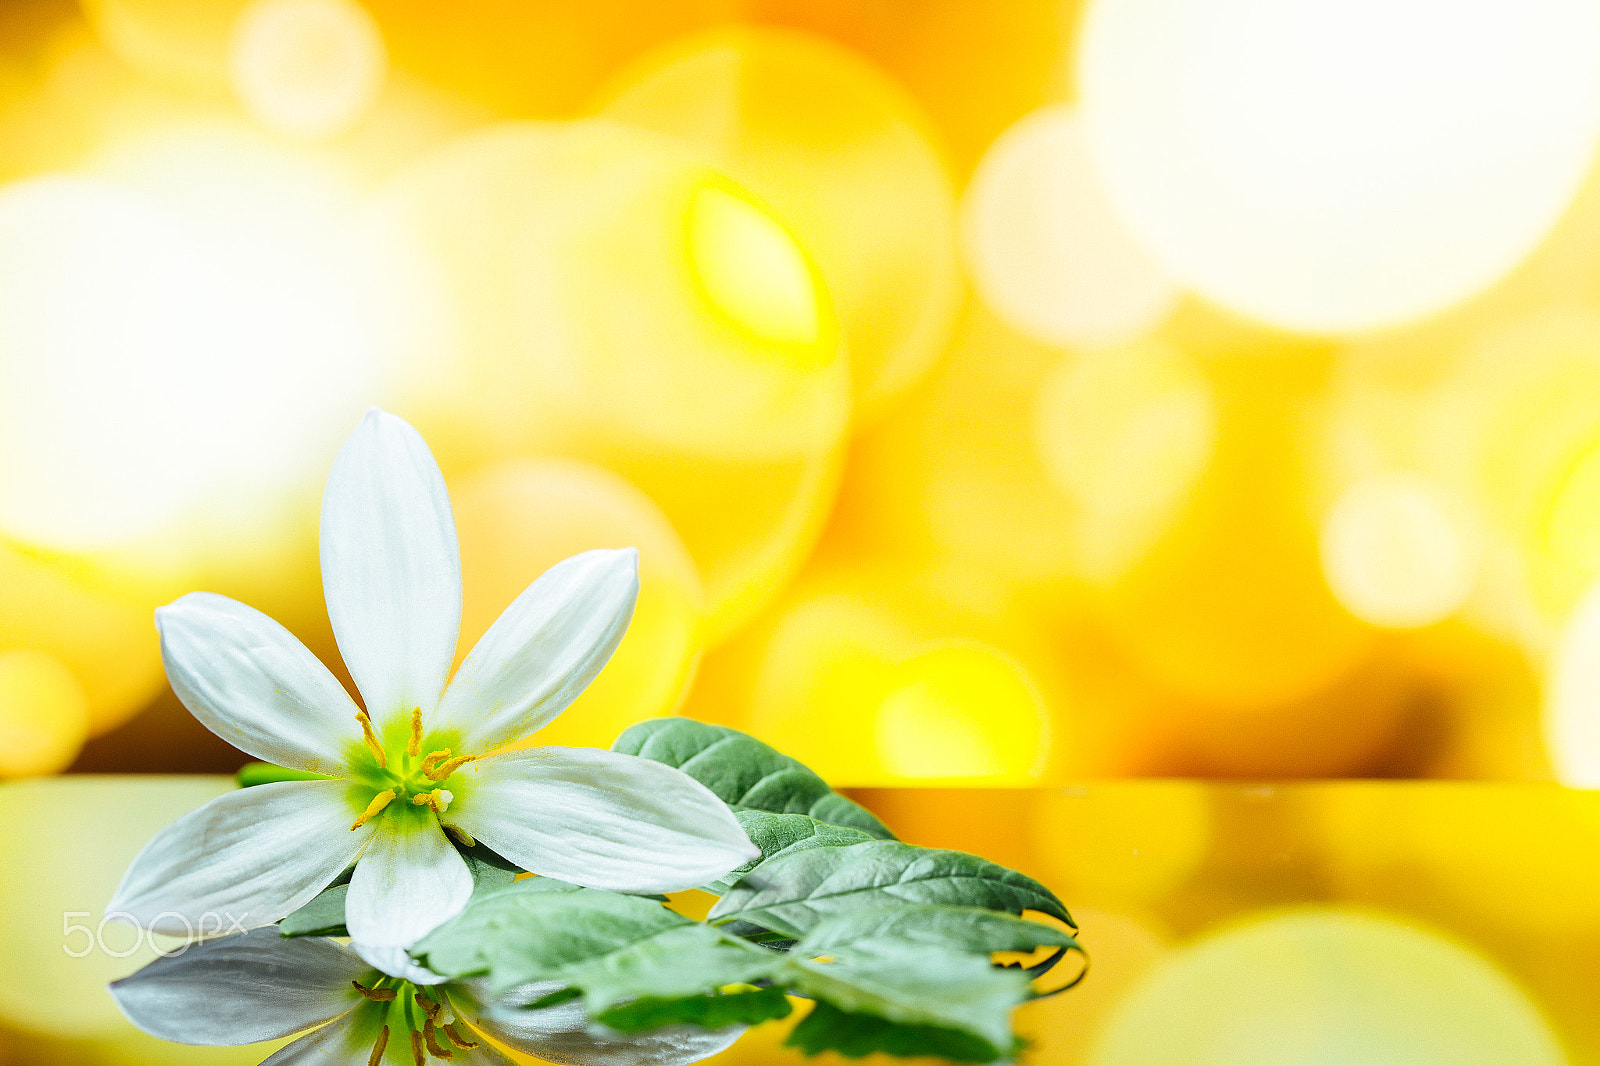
(424, 760)
(258, 986)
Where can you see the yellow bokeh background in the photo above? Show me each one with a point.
(1047, 416)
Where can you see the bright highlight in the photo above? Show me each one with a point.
(1325, 986)
(1339, 167)
(1046, 248)
(843, 156)
(1572, 701)
(44, 714)
(932, 706)
(1396, 553)
(308, 68)
(963, 713)
(1571, 540)
(104, 411)
(751, 268)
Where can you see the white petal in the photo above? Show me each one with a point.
(249, 681)
(544, 650)
(345, 1042)
(408, 882)
(391, 570)
(600, 819)
(396, 962)
(241, 989)
(243, 860)
(564, 1034)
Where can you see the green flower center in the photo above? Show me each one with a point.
(398, 1009)
(406, 770)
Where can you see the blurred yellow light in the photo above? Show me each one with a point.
(1571, 532)
(1522, 860)
(926, 707)
(843, 155)
(939, 473)
(1046, 249)
(512, 59)
(290, 357)
(992, 822)
(1125, 434)
(974, 67)
(1518, 420)
(1339, 167)
(106, 414)
(1396, 553)
(1572, 698)
(184, 42)
(44, 714)
(1076, 483)
(79, 834)
(191, 329)
(136, 1048)
(751, 269)
(104, 638)
(1326, 987)
(519, 517)
(309, 68)
(561, 307)
(1117, 843)
(962, 712)
(1228, 608)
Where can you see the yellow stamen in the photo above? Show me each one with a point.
(439, 773)
(434, 758)
(377, 1049)
(429, 1007)
(379, 802)
(433, 1043)
(417, 1054)
(461, 835)
(456, 1038)
(369, 735)
(377, 995)
(438, 799)
(415, 747)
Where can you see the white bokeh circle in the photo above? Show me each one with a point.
(1046, 249)
(1337, 167)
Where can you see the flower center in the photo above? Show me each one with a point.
(410, 774)
(422, 1014)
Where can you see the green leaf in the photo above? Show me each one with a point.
(531, 930)
(717, 1010)
(323, 916)
(908, 1000)
(786, 834)
(966, 929)
(630, 959)
(693, 960)
(265, 773)
(743, 772)
(855, 1036)
(489, 869)
(795, 893)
